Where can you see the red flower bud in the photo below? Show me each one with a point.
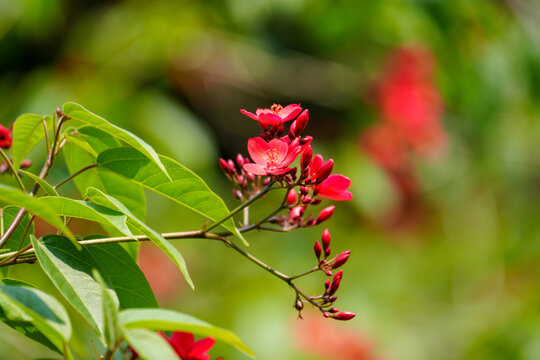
(342, 259)
(306, 157)
(335, 283)
(291, 197)
(304, 190)
(231, 166)
(316, 201)
(344, 316)
(325, 170)
(26, 164)
(317, 249)
(224, 166)
(296, 213)
(306, 140)
(240, 160)
(326, 253)
(301, 122)
(325, 214)
(315, 165)
(333, 310)
(325, 237)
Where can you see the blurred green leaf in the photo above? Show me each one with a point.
(149, 345)
(28, 130)
(16, 240)
(34, 206)
(79, 113)
(186, 187)
(162, 319)
(85, 210)
(110, 202)
(110, 312)
(35, 314)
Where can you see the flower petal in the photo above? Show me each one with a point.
(201, 347)
(256, 169)
(344, 196)
(251, 115)
(289, 112)
(336, 183)
(258, 148)
(278, 171)
(266, 119)
(182, 343)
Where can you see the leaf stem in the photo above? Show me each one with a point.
(74, 175)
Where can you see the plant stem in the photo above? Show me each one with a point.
(74, 175)
(12, 168)
(294, 277)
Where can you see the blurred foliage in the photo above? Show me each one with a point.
(454, 278)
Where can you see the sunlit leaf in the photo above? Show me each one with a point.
(28, 130)
(163, 319)
(49, 189)
(186, 187)
(111, 327)
(149, 345)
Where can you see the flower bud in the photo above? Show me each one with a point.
(301, 122)
(317, 249)
(333, 310)
(266, 181)
(326, 284)
(291, 197)
(59, 112)
(325, 214)
(306, 157)
(224, 166)
(325, 170)
(231, 166)
(326, 315)
(344, 316)
(296, 213)
(237, 194)
(332, 299)
(316, 201)
(304, 190)
(342, 259)
(326, 253)
(325, 238)
(292, 130)
(26, 163)
(250, 176)
(306, 200)
(240, 160)
(298, 304)
(315, 165)
(306, 140)
(334, 286)
(281, 130)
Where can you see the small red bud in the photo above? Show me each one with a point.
(237, 194)
(326, 253)
(281, 130)
(296, 213)
(291, 197)
(317, 249)
(328, 273)
(304, 190)
(325, 214)
(332, 299)
(316, 201)
(327, 284)
(240, 160)
(326, 315)
(344, 316)
(325, 170)
(250, 176)
(333, 310)
(224, 166)
(26, 164)
(231, 166)
(306, 140)
(335, 283)
(306, 200)
(301, 122)
(342, 259)
(325, 237)
(266, 181)
(59, 112)
(306, 157)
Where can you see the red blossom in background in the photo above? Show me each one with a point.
(187, 348)
(5, 138)
(274, 116)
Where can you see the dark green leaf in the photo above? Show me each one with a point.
(186, 187)
(110, 202)
(163, 319)
(36, 315)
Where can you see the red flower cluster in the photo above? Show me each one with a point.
(411, 110)
(5, 138)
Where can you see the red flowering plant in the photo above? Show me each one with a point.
(97, 274)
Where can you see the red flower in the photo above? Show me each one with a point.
(187, 348)
(273, 157)
(274, 116)
(5, 138)
(335, 188)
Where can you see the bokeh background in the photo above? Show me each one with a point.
(430, 107)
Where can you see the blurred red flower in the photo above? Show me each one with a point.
(5, 138)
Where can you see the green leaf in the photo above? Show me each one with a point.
(34, 206)
(28, 131)
(77, 112)
(186, 187)
(149, 345)
(36, 315)
(169, 320)
(110, 312)
(70, 270)
(85, 210)
(124, 275)
(49, 189)
(15, 241)
(110, 202)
